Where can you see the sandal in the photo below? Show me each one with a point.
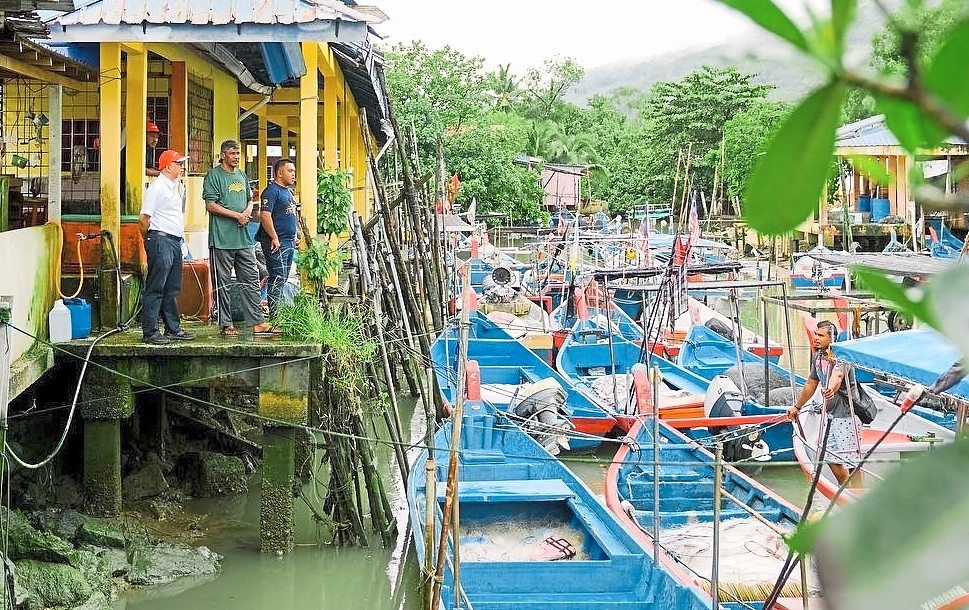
(268, 330)
(555, 549)
(229, 331)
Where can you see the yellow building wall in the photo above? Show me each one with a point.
(225, 121)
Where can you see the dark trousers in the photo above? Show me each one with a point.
(278, 263)
(163, 283)
(243, 261)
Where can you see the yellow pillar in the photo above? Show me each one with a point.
(110, 122)
(263, 145)
(330, 122)
(284, 141)
(364, 169)
(353, 159)
(136, 112)
(308, 99)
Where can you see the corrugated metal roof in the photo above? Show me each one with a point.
(872, 132)
(214, 12)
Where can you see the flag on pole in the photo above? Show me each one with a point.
(694, 224)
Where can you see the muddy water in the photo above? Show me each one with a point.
(312, 578)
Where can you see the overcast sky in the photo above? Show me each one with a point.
(524, 32)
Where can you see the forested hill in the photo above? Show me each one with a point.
(757, 53)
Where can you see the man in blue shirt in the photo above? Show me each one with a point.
(279, 230)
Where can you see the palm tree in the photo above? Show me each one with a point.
(575, 149)
(544, 140)
(503, 87)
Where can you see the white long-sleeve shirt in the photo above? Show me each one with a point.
(163, 203)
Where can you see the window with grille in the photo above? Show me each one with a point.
(80, 150)
(200, 100)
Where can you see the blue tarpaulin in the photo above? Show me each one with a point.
(917, 355)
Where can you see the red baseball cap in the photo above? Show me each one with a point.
(152, 128)
(168, 157)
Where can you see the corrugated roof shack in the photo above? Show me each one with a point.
(291, 75)
(871, 140)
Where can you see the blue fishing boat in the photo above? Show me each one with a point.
(505, 370)
(531, 534)
(567, 313)
(751, 550)
(919, 356)
(708, 355)
(607, 371)
(943, 244)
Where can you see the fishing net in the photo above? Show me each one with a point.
(602, 386)
(516, 540)
(751, 557)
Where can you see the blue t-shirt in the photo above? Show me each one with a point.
(279, 201)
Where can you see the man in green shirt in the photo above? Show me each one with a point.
(228, 201)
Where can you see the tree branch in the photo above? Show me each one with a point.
(929, 104)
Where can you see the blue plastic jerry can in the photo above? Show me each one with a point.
(80, 317)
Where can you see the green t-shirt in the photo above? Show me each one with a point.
(231, 191)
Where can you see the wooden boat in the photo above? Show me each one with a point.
(698, 314)
(521, 512)
(567, 313)
(505, 367)
(707, 355)
(751, 552)
(808, 272)
(595, 366)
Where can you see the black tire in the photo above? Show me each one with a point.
(898, 321)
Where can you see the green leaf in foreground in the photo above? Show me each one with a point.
(909, 300)
(871, 168)
(909, 123)
(804, 538)
(842, 13)
(949, 71)
(788, 182)
(948, 303)
(903, 545)
(770, 17)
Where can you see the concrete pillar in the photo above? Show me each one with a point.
(284, 398)
(331, 128)
(104, 401)
(276, 499)
(102, 467)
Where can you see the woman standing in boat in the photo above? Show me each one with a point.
(843, 446)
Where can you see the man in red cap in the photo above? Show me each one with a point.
(162, 225)
(152, 135)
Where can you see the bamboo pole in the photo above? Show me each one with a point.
(430, 483)
(676, 180)
(451, 493)
(686, 184)
(717, 489)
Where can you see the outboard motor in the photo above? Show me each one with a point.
(542, 405)
(724, 399)
(501, 286)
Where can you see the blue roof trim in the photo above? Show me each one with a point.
(284, 61)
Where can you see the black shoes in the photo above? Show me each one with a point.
(157, 339)
(181, 335)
